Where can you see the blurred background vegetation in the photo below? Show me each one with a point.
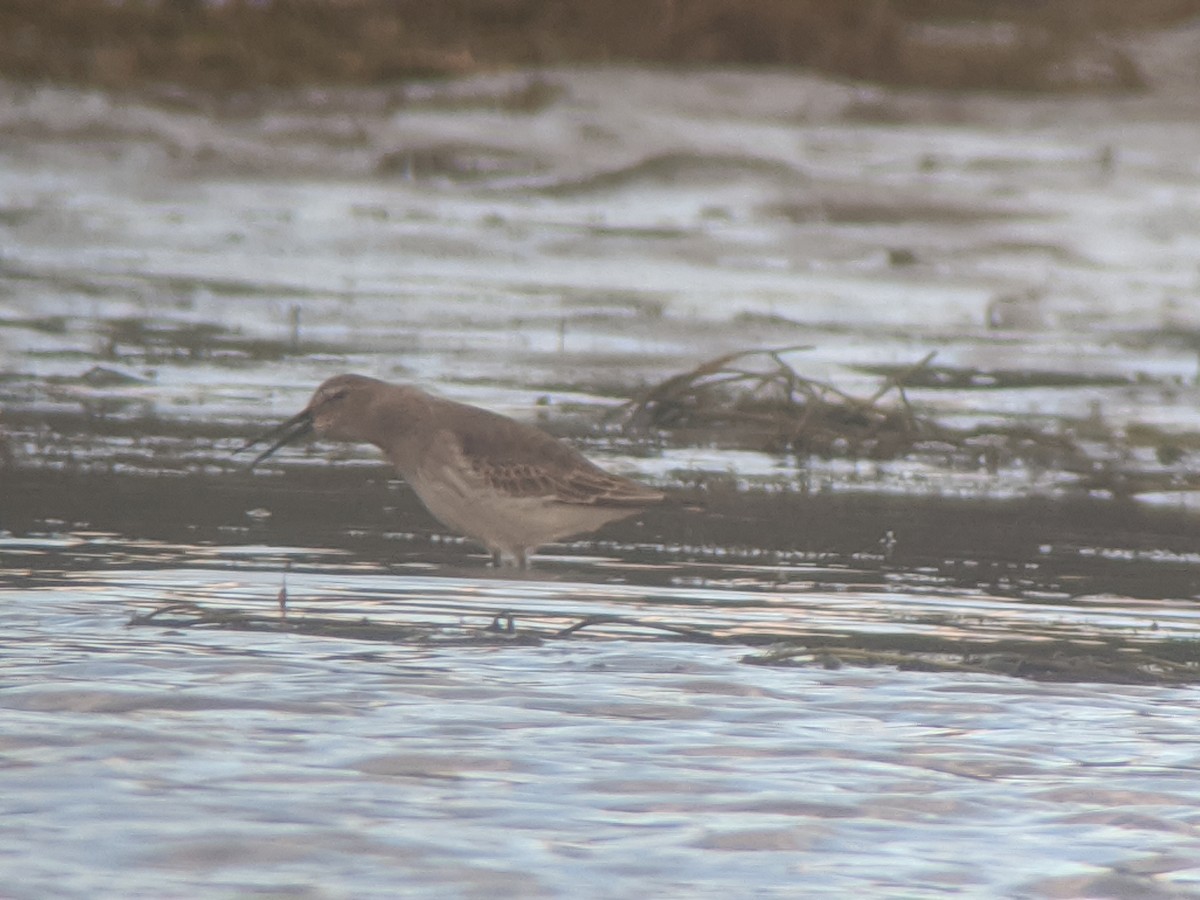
(225, 45)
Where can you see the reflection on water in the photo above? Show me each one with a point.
(293, 683)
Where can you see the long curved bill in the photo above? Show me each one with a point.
(296, 427)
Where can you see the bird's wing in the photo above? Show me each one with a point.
(521, 461)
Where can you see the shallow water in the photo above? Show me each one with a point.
(839, 677)
(172, 762)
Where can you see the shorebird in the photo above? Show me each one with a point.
(508, 485)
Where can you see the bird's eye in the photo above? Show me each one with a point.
(336, 395)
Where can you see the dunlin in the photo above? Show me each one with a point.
(508, 485)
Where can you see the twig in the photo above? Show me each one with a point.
(682, 630)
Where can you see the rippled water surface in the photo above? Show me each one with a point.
(925, 676)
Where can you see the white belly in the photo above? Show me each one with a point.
(511, 525)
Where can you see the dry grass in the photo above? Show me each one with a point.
(239, 44)
(755, 400)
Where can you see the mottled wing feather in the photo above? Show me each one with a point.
(599, 488)
(522, 461)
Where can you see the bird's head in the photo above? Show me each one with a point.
(339, 410)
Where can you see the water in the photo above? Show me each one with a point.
(915, 677)
(171, 763)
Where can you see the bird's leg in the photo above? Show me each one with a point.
(514, 559)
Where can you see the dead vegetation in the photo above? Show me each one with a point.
(1086, 659)
(756, 400)
(1082, 658)
(759, 401)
